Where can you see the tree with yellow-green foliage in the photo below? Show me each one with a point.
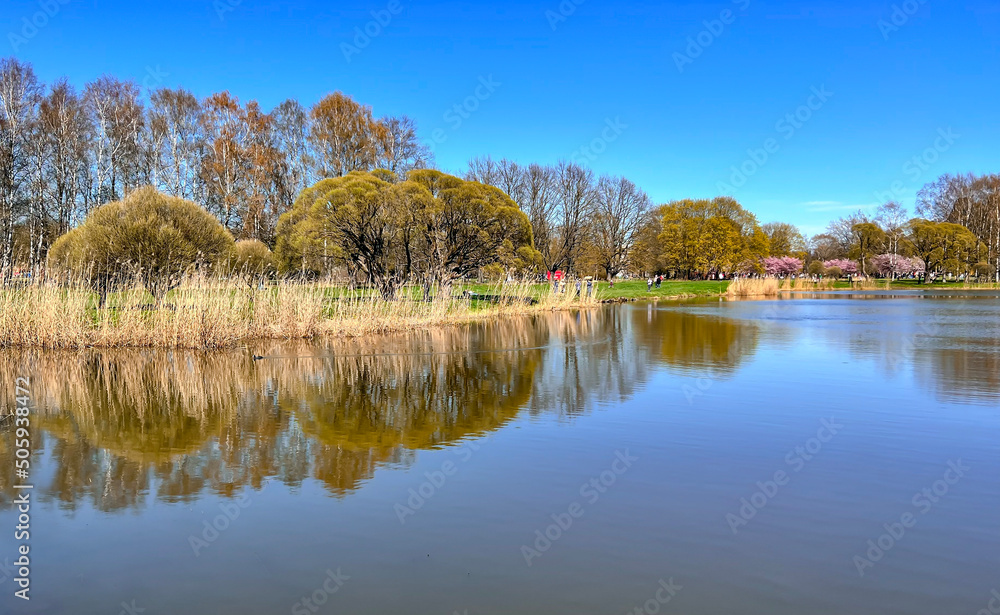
(468, 226)
(359, 220)
(433, 226)
(705, 237)
(869, 241)
(784, 239)
(147, 236)
(945, 247)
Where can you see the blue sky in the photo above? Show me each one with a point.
(677, 96)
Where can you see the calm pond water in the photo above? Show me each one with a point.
(699, 458)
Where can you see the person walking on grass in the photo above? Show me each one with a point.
(649, 285)
(659, 280)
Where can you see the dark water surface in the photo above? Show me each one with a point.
(702, 458)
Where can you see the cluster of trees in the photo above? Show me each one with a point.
(382, 230)
(581, 223)
(147, 236)
(891, 244)
(894, 265)
(699, 238)
(606, 225)
(155, 239)
(64, 152)
(332, 187)
(782, 266)
(710, 238)
(431, 227)
(970, 201)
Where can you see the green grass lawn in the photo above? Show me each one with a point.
(632, 289)
(636, 289)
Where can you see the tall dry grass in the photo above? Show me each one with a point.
(753, 287)
(806, 284)
(863, 283)
(208, 313)
(980, 285)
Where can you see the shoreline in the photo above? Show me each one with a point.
(218, 315)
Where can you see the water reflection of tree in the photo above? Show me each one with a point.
(592, 357)
(699, 344)
(950, 347)
(123, 425)
(602, 356)
(962, 373)
(181, 423)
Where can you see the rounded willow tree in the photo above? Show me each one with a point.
(432, 227)
(147, 237)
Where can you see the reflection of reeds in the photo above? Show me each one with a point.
(207, 313)
(332, 409)
(119, 423)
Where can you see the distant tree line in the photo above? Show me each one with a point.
(332, 188)
(955, 238)
(64, 152)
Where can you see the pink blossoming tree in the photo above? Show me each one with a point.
(782, 266)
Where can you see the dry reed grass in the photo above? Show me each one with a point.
(807, 285)
(870, 284)
(753, 287)
(206, 313)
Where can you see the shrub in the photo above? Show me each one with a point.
(252, 258)
(148, 236)
(834, 272)
(984, 270)
(816, 268)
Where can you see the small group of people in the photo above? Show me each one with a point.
(559, 286)
(658, 280)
